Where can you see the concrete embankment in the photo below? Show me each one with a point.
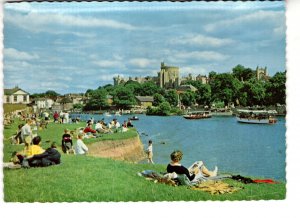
(125, 149)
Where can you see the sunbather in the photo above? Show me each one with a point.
(195, 172)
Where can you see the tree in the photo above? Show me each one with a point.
(51, 94)
(276, 89)
(134, 86)
(171, 96)
(225, 87)
(97, 100)
(188, 98)
(149, 89)
(255, 92)
(242, 73)
(158, 99)
(203, 94)
(109, 88)
(123, 97)
(164, 108)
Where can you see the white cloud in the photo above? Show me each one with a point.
(201, 55)
(142, 62)
(258, 17)
(202, 40)
(15, 54)
(37, 22)
(194, 70)
(108, 63)
(21, 6)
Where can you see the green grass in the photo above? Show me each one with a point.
(91, 179)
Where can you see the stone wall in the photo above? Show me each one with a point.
(128, 149)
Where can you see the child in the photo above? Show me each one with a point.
(149, 152)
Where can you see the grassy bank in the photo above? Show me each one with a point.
(7, 108)
(88, 179)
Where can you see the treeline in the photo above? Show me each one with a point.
(241, 87)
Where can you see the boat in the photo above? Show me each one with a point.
(221, 112)
(256, 116)
(197, 115)
(134, 118)
(107, 114)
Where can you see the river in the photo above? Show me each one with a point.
(246, 149)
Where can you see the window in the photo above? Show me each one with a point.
(24, 98)
(15, 98)
(7, 99)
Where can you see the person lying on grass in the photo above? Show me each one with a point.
(194, 173)
(48, 157)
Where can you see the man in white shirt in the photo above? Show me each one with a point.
(80, 147)
(26, 133)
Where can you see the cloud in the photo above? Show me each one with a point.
(201, 56)
(37, 22)
(142, 62)
(108, 63)
(12, 53)
(202, 40)
(258, 17)
(194, 70)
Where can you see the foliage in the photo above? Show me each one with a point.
(97, 100)
(123, 97)
(242, 73)
(225, 88)
(171, 96)
(158, 99)
(276, 89)
(163, 109)
(203, 94)
(49, 94)
(148, 89)
(188, 98)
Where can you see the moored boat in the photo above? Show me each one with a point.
(256, 116)
(197, 115)
(221, 112)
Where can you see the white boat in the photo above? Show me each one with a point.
(195, 115)
(256, 116)
(107, 114)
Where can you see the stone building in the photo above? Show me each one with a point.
(168, 76)
(261, 73)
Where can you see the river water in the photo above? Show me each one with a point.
(246, 149)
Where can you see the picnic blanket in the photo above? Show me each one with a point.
(215, 187)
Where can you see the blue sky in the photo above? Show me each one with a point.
(72, 47)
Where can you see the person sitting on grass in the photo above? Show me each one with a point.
(89, 129)
(99, 127)
(35, 148)
(194, 173)
(50, 157)
(80, 147)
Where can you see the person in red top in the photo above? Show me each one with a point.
(55, 116)
(89, 129)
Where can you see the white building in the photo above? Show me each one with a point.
(16, 96)
(44, 103)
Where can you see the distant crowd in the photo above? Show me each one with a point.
(33, 155)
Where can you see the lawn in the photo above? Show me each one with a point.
(92, 179)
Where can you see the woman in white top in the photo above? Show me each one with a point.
(80, 147)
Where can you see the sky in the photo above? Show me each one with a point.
(70, 47)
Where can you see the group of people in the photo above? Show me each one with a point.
(34, 155)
